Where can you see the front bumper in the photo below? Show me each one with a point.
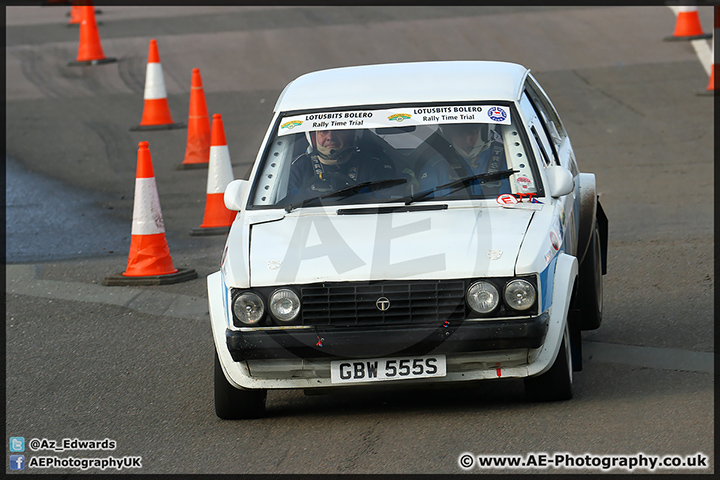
(366, 342)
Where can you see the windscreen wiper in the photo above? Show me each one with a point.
(348, 191)
(459, 184)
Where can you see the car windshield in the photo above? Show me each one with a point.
(401, 154)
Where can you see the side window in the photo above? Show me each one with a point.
(538, 131)
(549, 115)
(541, 146)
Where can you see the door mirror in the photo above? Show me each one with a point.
(236, 194)
(560, 180)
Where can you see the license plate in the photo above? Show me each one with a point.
(380, 369)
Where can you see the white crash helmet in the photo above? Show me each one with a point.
(451, 130)
(334, 155)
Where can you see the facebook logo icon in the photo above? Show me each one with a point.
(17, 444)
(17, 462)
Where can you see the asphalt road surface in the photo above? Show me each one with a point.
(134, 364)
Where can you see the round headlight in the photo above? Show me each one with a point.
(249, 308)
(483, 297)
(519, 294)
(284, 304)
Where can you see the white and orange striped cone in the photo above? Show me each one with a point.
(218, 218)
(156, 111)
(711, 90)
(149, 261)
(90, 51)
(197, 148)
(687, 25)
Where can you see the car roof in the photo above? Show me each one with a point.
(409, 82)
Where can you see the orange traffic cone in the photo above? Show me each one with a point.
(149, 261)
(75, 16)
(218, 218)
(156, 111)
(716, 31)
(197, 150)
(90, 51)
(75, 12)
(687, 25)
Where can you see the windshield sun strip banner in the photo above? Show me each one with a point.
(412, 116)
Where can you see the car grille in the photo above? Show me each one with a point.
(416, 302)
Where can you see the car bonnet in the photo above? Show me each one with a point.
(317, 245)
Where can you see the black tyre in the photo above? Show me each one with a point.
(555, 384)
(234, 404)
(590, 286)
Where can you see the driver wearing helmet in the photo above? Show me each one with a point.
(333, 161)
(468, 149)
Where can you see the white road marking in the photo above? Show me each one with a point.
(704, 53)
(702, 48)
(20, 280)
(650, 357)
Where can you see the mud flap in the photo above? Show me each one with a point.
(602, 222)
(574, 322)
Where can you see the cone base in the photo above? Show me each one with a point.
(707, 93)
(165, 126)
(202, 232)
(675, 38)
(192, 166)
(81, 63)
(182, 275)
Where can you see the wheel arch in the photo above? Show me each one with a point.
(588, 211)
(565, 279)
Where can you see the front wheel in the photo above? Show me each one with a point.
(557, 383)
(233, 403)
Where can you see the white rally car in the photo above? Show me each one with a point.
(404, 224)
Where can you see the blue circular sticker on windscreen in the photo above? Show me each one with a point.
(497, 114)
